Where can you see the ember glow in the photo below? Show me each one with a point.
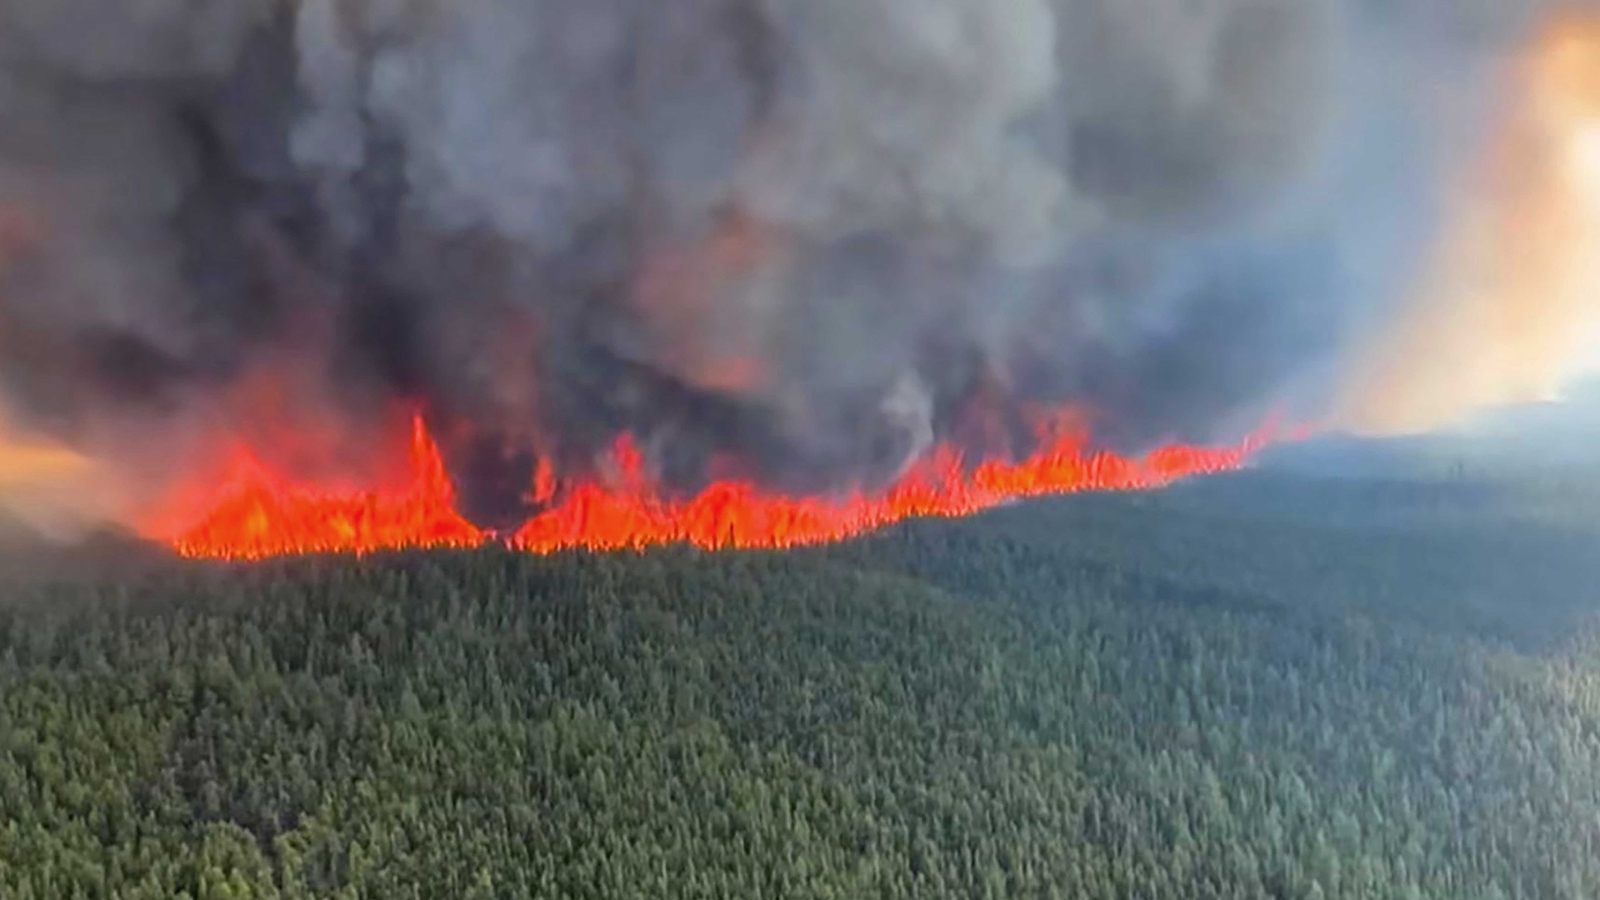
(258, 512)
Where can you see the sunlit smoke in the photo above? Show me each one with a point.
(53, 489)
(1508, 307)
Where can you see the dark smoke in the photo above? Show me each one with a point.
(802, 238)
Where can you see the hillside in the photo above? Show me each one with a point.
(1258, 686)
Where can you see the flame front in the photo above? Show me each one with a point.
(738, 515)
(258, 512)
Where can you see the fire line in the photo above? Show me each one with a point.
(261, 513)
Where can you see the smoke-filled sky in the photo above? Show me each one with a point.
(804, 239)
(1505, 305)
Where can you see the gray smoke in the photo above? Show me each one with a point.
(810, 235)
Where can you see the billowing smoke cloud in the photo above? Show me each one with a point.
(809, 236)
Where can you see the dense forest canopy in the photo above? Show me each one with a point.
(1260, 686)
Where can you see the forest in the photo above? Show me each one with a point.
(1257, 686)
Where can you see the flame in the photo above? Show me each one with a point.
(741, 515)
(259, 512)
(1508, 310)
(262, 512)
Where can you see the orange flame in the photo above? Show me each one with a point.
(265, 513)
(740, 515)
(259, 512)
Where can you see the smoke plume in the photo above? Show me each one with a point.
(803, 238)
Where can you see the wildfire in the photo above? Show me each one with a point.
(259, 512)
(735, 515)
